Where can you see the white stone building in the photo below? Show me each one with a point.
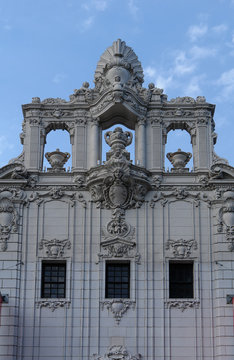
(117, 259)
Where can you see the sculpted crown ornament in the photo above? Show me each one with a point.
(118, 184)
(117, 67)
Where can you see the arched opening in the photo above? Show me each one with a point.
(58, 139)
(130, 148)
(178, 139)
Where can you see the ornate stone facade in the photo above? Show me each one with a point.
(122, 211)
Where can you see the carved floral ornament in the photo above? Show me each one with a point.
(118, 185)
(226, 218)
(8, 214)
(117, 352)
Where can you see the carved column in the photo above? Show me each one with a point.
(203, 146)
(34, 141)
(140, 142)
(94, 144)
(156, 143)
(78, 141)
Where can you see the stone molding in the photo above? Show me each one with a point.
(226, 217)
(118, 307)
(117, 352)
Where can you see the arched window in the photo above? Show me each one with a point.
(130, 148)
(58, 139)
(178, 139)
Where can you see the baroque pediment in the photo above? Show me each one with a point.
(13, 171)
(114, 98)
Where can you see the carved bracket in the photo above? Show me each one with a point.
(118, 307)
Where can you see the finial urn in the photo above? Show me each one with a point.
(179, 159)
(57, 159)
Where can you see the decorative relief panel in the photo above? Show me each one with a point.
(117, 352)
(181, 249)
(8, 215)
(179, 193)
(118, 184)
(226, 218)
(182, 304)
(56, 193)
(118, 239)
(53, 304)
(55, 248)
(118, 307)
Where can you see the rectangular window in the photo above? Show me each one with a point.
(117, 280)
(53, 280)
(180, 280)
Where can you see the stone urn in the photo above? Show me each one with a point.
(57, 159)
(179, 159)
(228, 209)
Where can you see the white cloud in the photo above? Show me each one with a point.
(58, 78)
(183, 65)
(198, 52)
(193, 88)
(220, 28)
(150, 72)
(226, 81)
(197, 31)
(133, 8)
(87, 23)
(98, 5)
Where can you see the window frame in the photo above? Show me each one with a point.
(43, 282)
(188, 284)
(196, 288)
(118, 263)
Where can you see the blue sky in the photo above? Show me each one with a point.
(48, 48)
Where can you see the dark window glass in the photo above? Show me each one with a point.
(117, 280)
(53, 280)
(180, 280)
